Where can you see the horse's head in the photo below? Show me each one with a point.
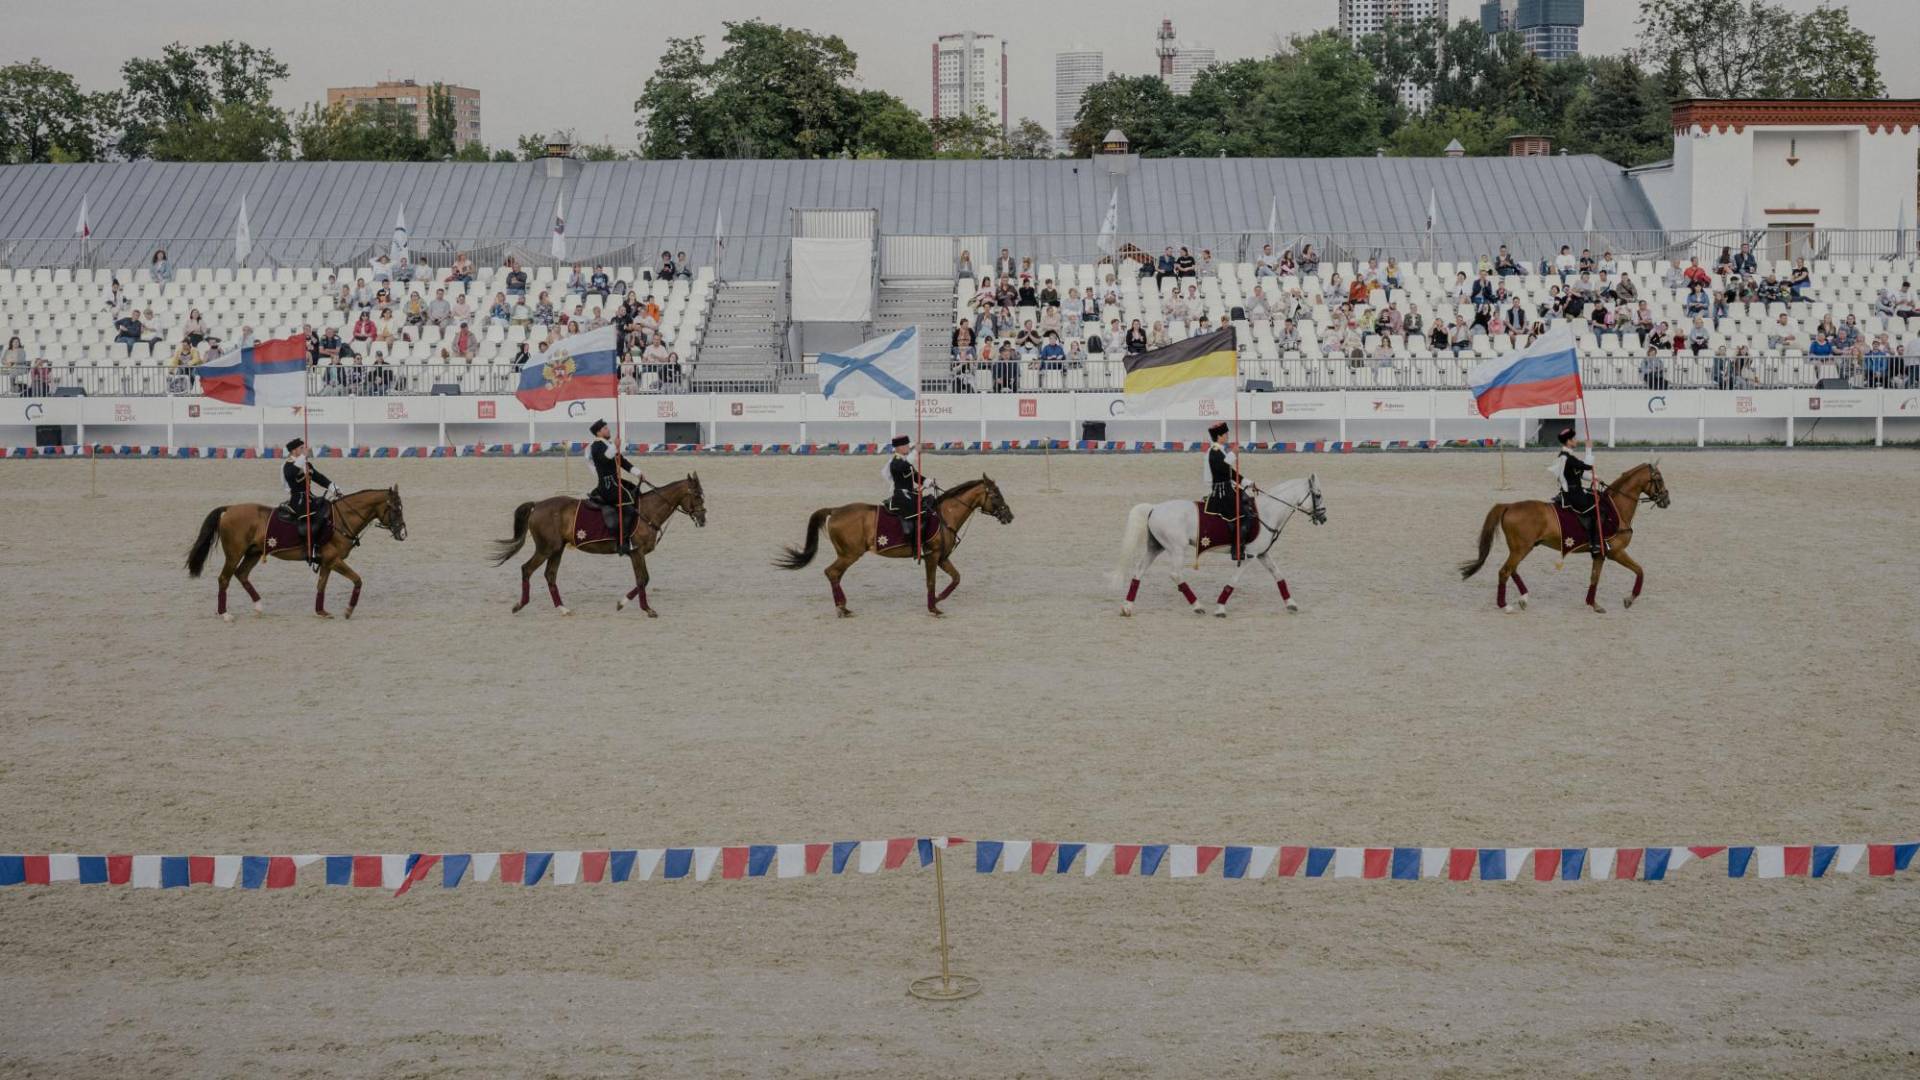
(693, 501)
(993, 502)
(393, 517)
(1316, 509)
(1657, 486)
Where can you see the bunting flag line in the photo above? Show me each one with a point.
(540, 449)
(400, 873)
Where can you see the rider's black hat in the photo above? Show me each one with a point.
(1566, 434)
(295, 444)
(599, 427)
(903, 440)
(1218, 429)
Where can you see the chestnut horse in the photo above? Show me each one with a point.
(853, 528)
(242, 532)
(550, 523)
(1534, 523)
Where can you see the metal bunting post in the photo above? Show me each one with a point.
(945, 986)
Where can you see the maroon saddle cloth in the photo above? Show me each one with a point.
(891, 532)
(1573, 530)
(283, 531)
(1217, 532)
(590, 522)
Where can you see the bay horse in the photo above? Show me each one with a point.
(1174, 526)
(854, 529)
(550, 524)
(1534, 523)
(242, 532)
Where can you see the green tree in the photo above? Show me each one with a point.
(1751, 48)
(234, 131)
(1141, 106)
(443, 131)
(188, 86)
(1620, 115)
(967, 135)
(1427, 135)
(886, 127)
(45, 116)
(1029, 140)
(473, 150)
(1317, 100)
(369, 132)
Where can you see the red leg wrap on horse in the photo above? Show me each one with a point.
(839, 595)
(633, 592)
(948, 591)
(1519, 582)
(354, 599)
(223, 601)
(1188, 593)
(1224, 593)
(1638, 579)
(1133, 590)
(1500, 596)
(553, 590)
(1591, 589)
(251, 591)
(643, 596)
(319, 601)
(526, 591)
(1285, 593)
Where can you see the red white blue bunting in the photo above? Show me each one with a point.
(544, 449)
(1235, 862)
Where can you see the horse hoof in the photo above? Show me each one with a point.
(259, 608)
(1293, 608)
(1628, 601)
(936, 613)
(348, 614)
(651, 614)
(226, 616)
(845, 614)
(1220, 612)
(1523, 601)
(1511, 610)
(1126, 611)
(323, 615)
(1197, 609)
(517, 607)
(562, 609)
(1598, 609)
(620, 604)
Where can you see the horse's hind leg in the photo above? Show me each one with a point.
(553, 580)
(1510, 569)
(1620, 556)
(353, 598)
(1286, 596)
(640, 579)
(1133, 583)
(226, 575)
(526, 575)
(835, 571)
(1173, 574)
(251, 560)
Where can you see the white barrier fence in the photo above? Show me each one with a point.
(1672, 416)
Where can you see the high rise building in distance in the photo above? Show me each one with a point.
(1073, 71)
(1358, 18)
(970, 74)
(410, 98)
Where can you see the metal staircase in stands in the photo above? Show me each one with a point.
(928, 305)
(744, 347)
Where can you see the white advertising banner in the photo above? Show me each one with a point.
(1818, 403)
(1746, 405)
(490, 410)
(832, 280)
(126, 410)
(820, 408)
(760, 408)
(942, 407)
(44, 410)
(1387, 405)
(394, 410)
(210, 411)
(1293, 407)
(1055, 408)
(663, 408)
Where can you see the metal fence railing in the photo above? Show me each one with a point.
(1445, 371)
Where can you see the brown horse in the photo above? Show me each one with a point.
(854, 529)
(550, 523)
(242, 532)
(1534, 523)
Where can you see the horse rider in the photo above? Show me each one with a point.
(906, 481)
(301, 479)
(1576, 494)
(1222, 476)
(618, 487)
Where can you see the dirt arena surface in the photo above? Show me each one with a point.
(1763, 692)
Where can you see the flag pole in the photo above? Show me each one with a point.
(306, 474)
(619, 457)
(945, 986)
(919, 473)
(1237, 552)
(1599, 537)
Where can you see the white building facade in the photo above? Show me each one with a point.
(1358, 18)
(969, 75)
(1073, 71)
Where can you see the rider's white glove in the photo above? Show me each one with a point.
(333, 491)
(1588, 458)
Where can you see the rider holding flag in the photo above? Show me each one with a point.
(905, 480)
(1570, 470)
(617, 490)
(301, 477)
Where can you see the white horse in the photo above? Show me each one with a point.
(1174, 527)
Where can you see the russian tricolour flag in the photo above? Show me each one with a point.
(1546, 372)
(270, 373)
(581, 366)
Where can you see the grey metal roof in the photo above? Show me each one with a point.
(652, 204)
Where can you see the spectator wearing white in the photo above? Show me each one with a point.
(1258, 308)
(685, 265)
(1266, 265)
(1414, 325)
(343, 301)
(381, 268)
(195, 328)
(1072, 309)
(246, 337)
(1288, 337)
(521, 314)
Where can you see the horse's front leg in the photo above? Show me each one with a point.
(320, 590)
(1286, 596)
(1619, 555)
(932, 559)
(639, 593)
(353, 599)
(953, 576)
(1220, 605)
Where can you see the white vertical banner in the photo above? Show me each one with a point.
(242, 234)
(558, 247)
(832, 279)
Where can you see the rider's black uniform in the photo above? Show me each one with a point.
(1576, 494)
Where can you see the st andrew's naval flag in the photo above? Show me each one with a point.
(267, 373)
(1191, 370)
(886, 367)
(581, 366)
(1546, 372)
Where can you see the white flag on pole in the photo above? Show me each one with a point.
(398, 250)
(1433, 209)
(1110, 225)
(559, 245)
(1587, 227)
(242, 234)
(1273, 218)
(83, 229)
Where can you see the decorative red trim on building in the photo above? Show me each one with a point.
(1789, 210)
(1715, 115)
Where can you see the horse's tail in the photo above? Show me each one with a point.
(506, 549)
(1136, 538)
(1468, 569)
(202, 544)
(794, 558)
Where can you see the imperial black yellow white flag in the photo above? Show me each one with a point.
(1190, 370)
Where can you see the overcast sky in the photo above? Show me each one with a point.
(541, 66)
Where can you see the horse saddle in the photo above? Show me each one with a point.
(892, 530)
(590, 522)
(1217, 531)
(283, 528)
(1573, 526)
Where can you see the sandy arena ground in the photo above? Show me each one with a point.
(1764, 691)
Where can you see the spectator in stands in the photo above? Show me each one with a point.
(1006, 266)
(1723, 265)
(1026, 266)
(521, 314)
(1006, 294)
(665, 269)
(1675, 277)
(1504, 265)
(1653, 370)
(465, 344)
(195, 328)
(577, 281)
(962, 340)
(365, 329)
(1259, 309)
(1053, 356)
(1460, 336)
(1698, 336)
(685, 265)
(516, 280)
(128, 330)
(14, 365)
(1025, 296)
(1357, 291)
(1073, 309)
(1166, 266)
(1287, 338)
(1049, 320)
(462, 269)
(1696, 302)
(1136, 337)
(1800, 281)
(160, 268)
(330, 347)
(599, 283)
(1695, 274)
(1184, 264)
(543, 312)
(1158, 338)
(1905, 305)
(1006, 370)
(1288, 267)
(1309, 261)
(1587, 262)
(1625, 291)
(1877, 362)
(414, 311)
(1267, 265)
(343, 300)
(1564, 263)
(439, 312)
(1822, 347)
(1028, 337)
(1206, 267)
(963, 267)
(462, 310)
(389, 326)
(1744, 262)
(1781, 335)
(1414, 325)
(380, 268)
(40, 378)
(1049, 294)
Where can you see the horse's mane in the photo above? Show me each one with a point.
(960, 488)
